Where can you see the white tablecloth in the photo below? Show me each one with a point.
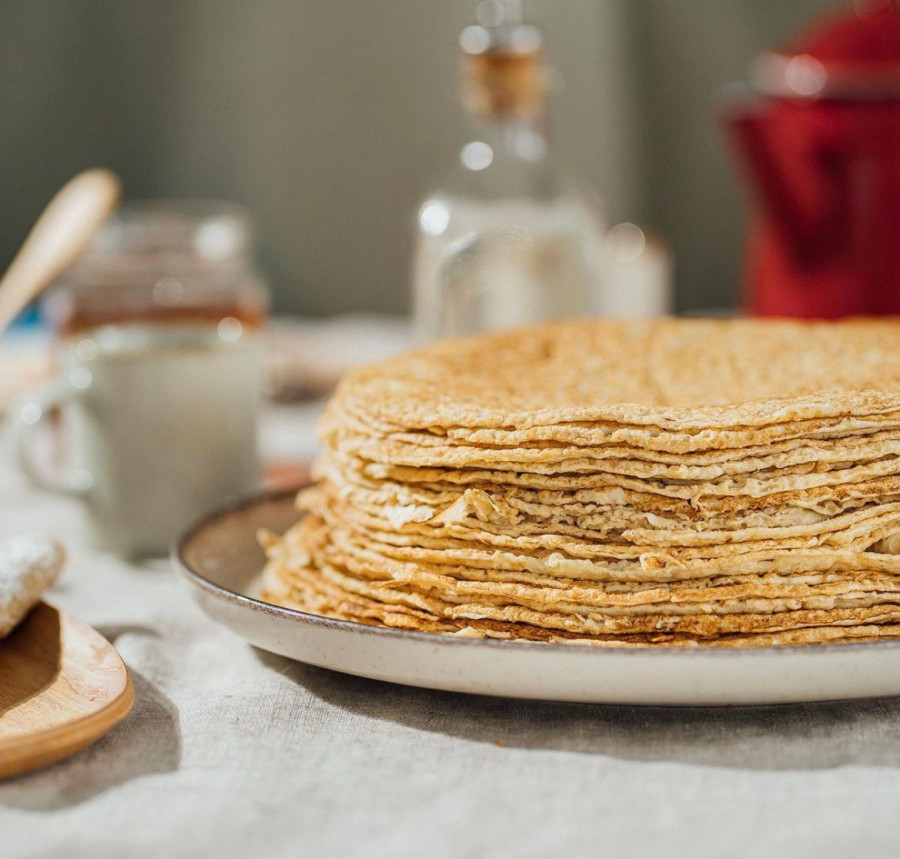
(233, 752)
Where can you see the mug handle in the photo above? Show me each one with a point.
(29, 413)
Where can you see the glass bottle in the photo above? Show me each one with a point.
(506, 239)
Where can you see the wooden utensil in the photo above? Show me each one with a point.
(62, 687)
(60, 234)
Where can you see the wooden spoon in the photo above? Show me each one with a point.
(60, 234)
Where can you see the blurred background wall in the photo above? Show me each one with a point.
(330, 118)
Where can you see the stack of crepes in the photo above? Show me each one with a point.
(673, 482)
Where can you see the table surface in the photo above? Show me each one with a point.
(230, 751)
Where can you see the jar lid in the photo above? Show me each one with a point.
(854, 54)
(147, 240)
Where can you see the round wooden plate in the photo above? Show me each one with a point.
(62, 687)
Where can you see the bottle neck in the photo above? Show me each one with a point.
(520, 138)
(504, 92)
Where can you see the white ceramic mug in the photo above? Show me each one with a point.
(159, 425)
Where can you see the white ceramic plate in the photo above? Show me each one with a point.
(221, 561)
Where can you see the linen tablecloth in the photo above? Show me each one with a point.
(230, 751)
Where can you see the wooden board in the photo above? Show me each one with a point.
(62, 687)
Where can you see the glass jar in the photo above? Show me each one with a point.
(164, 261)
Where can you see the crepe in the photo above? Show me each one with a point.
(661, 483)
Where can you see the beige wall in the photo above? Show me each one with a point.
(329, 118)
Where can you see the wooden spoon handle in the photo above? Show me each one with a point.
(60, 234)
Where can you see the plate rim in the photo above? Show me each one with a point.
(269, 496)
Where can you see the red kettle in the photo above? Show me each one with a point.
(818, 136)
